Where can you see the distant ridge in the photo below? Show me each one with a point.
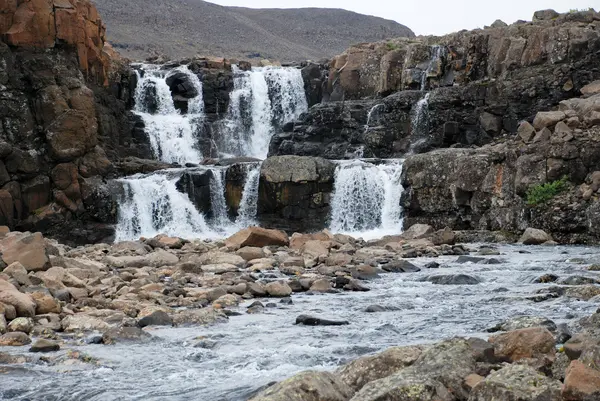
(184, 28)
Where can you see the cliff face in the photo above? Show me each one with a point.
(482, 83)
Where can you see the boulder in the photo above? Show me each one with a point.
(43, 345)
(158, 258)
(28, 249)
(249, 253)
(321, 285)
(23, 303)
(524, 322)
(366, 369)
(400, 266)
(217, 258)
(443, 237)
(157, 318)
(307, 386)
(3, 324)
(14, 339)
(530, 343)
(547, 119)
(22, 324)
(316, 321)
(581, 383)
(453, 279)
(18, 272)
(124, 334)
(298, 240)
(257, 237)
(418, 231)
(545, 15)
(534, 236)
(526, 132)
(205, 316)
(82, 323)
(593, 88)
(278, 289)
(517, 382)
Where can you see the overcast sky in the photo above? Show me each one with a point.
(436, 17)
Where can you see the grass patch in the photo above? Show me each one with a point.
(544, 192)
(392, 46)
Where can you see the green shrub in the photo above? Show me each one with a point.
(392, 46)
(544, 192)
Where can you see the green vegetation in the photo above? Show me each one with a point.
(392, 46)
(576, 10)
(544, 192)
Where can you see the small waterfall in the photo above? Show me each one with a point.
(173, 137)
(438, 52)
(263, 100)
(152, 205)
(249, 203)
(366, 199)
(371, 114)
(217, 198)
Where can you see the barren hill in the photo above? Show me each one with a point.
(182, 28)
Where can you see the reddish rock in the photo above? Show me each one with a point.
(33, 25)
(581, 383)
(27, 248)
(257, 237)
(535, 342)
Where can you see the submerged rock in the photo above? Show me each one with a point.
(453, 279)
(316, 321)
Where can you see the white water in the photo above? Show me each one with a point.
(372, 113)
(173, 137)
(217, 198)
(420, 120)
(249, 203)
(437, 52)
(366, 199)
(262, 101)
(152, 205)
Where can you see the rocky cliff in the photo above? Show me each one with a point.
(481, 84)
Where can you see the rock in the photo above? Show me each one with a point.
(218, 258)
(375, 309)
(445, 236)
(579, 343)
(82, 323)
(307, 386)
(469, 259)
(535, 342)
(249, 253)
(257, 289)
(432, 265)
(157, 318)
(418, 231)
(526, 132)
(517, 382)
(45, 303)
(22, 324)
(547, 119)
(278, 289)
(545, 15)
(366, 272)
(163, 241)
(593, 88)
(321, 285)
(23, 303)
(524, 322)
(581, 383)
(472, 380)
(257, 237)
(400, 266)
(43, 345)
(546, 278)
(28, 249)
(453, 279)
(124, 334)
(14, 339)
(534, 236)
(578, 280)
(226, 301)
(205, 316)
(315, 321)
(314, 251)
(8, 311)
(18, 272)
(3, 324)
(158, 258)
(366, 369)
(354, 285)
(298, 240)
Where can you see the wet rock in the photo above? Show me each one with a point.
(534, 236)
(257, 289)
(278, 289)
(124, 334)
(578, 280)
(443, 237)
(517, 382)
(321, 285)
(375, 309)
(432, 265)
(22, 324)
(14, 339)
(93, 339)
(203, 316)
(583, 292)
(315, 321)
(367, 369)
(82, 322)
(581, 382)
(23, 303)
(400, 266)
(286, 301)
(257, 237)
(562, 333)
(546, 278)
(354, 285)
(157, 318)
(469, 259)
(523, 322)
(453, 279)
(43, 345)
(535, 342)
(307, 386)
(366, 272)
(418, 231)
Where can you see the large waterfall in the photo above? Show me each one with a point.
(173, 136)
(262, 101)
(366, 198)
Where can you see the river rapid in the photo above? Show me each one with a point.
(230, 361)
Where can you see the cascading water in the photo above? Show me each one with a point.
(173, 136)
(262, 101)
(152, 205)
(438, 52)
(372, 114)
(217, 198)
(366, 199)
(420, 123)
(249, 203)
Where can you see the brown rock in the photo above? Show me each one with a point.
(548, 119)
(298, 240)
(418, 231)
(72, 134)
(14, 339)
(526, 132)
(321, 285)
(249, 253)
(472, 380)
(28, 249)
(45, 303)
(535, 342)
(257, 237)
(23, 303)
(33, 25)
(591, 89)
(581, 383)
(18, 272)
(443, 237)
(278, 289)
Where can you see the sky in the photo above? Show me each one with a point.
(432, 17)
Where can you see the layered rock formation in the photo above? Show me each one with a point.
(482, 82)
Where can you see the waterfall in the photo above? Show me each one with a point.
(371, 113)
(249, 203)
(420, 123)
(438, 52)
(152, 205)
(172, 136)
(217, 198)
(263, 100)
(366, 199)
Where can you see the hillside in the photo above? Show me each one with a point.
(182, 28)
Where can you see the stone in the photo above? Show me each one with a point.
(400, 266)
(157, 318)
(315, 250)
(316, 321)
(524, 322)
(28, 249)
(124, 334)
(43, 345)
(18, 272)
(83, 323)
(547, 119)
(298, 240)
(593, 88)
(535, 342)
(257, 237)
(453, 279)
(517, 382)
(581, 383)
(163, 241)
(542, 136)
(158, 258)
(369, 368)
(22, 324)
(8, 311)
(579, 343)
(205, 316)
(257, 289)
(534, 236)
(307, 386)
(3, 324)
(418, 231)
(249, 253)
(443, 237)
(321, 285)
(23, 303)
(545, 15)
(217, 258)
(278, 289)
(490, 123)
(14, 339)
